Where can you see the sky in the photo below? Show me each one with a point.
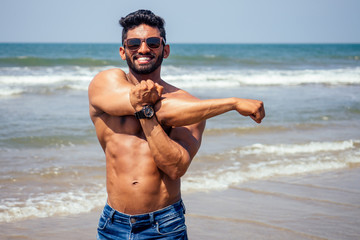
(187, 21)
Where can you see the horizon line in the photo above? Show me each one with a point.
(21, 42)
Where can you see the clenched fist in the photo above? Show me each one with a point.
(252, 108)
(145, 93)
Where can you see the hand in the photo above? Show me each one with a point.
(252, 108)
(145, 93)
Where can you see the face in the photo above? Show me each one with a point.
(144, 60)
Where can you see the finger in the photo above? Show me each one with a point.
(255, 118)
(159, 88)
(150, 84)
(143, 85)
(260, 114)
(262, 110)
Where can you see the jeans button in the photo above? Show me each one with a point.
(132, 220)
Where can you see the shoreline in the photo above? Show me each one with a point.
(313, 206)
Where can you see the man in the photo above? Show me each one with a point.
(150, 131)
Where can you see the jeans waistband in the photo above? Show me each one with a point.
(146, 218)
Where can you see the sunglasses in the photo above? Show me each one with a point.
(135, 43)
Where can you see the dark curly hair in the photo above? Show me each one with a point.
(139, 17)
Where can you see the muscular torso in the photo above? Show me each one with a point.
(135, 185)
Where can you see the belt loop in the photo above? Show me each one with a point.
(151, 215)
(111, 215)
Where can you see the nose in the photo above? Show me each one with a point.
(143, 47)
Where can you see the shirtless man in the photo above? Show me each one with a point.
(150, 131)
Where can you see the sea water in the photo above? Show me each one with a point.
(52, 164)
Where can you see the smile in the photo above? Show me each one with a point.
(143, 59)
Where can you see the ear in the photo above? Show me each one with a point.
(122, 53)
(166, 50)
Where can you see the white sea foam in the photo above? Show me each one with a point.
(13, 85)
(222, 179)
(7, 91)
(317, 156)
(46, 205)
(41, 80)
(79, 77)
(261, 162)
(311, 147)
(218, 78)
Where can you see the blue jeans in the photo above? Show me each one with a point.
(166, 223)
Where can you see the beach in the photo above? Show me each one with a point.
(294, 176)
(303, 207)
(315, 206)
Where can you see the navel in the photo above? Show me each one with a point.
(134, 183)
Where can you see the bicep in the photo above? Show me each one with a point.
(109, 92)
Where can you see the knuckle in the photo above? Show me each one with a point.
(149, 82)
(143, 87)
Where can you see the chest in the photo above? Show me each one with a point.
(124, 125)
(127, 125)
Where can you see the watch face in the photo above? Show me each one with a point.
(148, 111)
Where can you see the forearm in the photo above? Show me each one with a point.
(183, 112)
(168, 155)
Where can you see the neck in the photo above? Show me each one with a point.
(136, 78)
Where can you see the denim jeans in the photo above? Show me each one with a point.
(166, 223)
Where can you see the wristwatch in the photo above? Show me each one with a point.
(146, 112)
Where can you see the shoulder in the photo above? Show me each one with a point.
(113, 72)
(107, 80)
(108, 76)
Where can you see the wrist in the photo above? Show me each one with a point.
(233, 102)
(138, 107)
(146, 112)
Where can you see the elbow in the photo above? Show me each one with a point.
(176, 171)
(165, 118)
(174, 162)
(179, 169)
(176, 174)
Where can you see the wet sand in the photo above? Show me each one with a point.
(325, 206)
(316, 206)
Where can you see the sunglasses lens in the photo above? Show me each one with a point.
(133, 43)
(153, 42)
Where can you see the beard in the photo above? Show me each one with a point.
(147, 68)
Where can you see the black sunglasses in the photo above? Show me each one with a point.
(135, 43)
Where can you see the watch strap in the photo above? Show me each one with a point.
(146, 112)
(140, 114)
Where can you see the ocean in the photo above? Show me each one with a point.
(52, 164)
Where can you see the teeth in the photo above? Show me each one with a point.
(144, 59)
